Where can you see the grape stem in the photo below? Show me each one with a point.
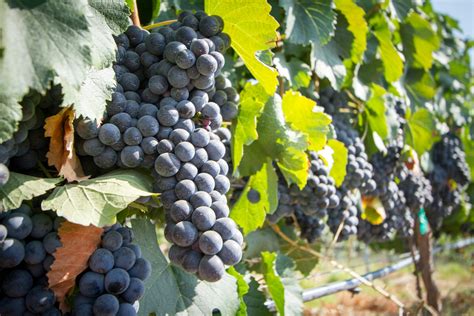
(337, 265)
(134, 15)
(45, 171)
(155, 25)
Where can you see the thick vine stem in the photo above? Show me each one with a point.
(336, 264)
(134, 16)
(155, 25)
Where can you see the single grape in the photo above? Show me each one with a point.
(221, 209)
(135, 290)
(155, 43)
(185, 189)
(132, 156)
(109, 134)
(149, 145)
(226, 227)
(179, 135)
(42, 224)
(210, 242)
(185, 151)
(141, 269)
(191, 260)
(187, 171)
(126, 309)
(206, 65)
(18, 225)
(180, 211)
(203, 218)
(168, 115)
(132, 136)
(167, 165)
(222, 184)
(87, 129)
(209, 26)
(211, 110)
(124, 258)
(185, 59)
(200, 198)
(231, 253)
(39, 299)
(185, 35)
(199, 47)
(211, 268)
(101, 261)
(200, 157)
(184, 234)
(112, 240)
(158, 84)
(34, 252)
(117, 280)
(178, 77)
(91, 284)
(17, 283)
(106, 305)
(148, 126)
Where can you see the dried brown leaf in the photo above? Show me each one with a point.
(61, 153)
(78, 243)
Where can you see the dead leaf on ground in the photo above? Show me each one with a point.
(78, 243)
(61, 152)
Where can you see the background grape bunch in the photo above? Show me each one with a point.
(28, 240)
(166, 116)
(311, 204)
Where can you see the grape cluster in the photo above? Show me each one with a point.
(114, 280)
(399, 218)
(27, 242)
(448, 179)
(166, 116)
(311, 204)
(417, 189)
(28, 144)
(346, 212)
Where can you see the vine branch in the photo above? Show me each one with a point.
(155, 25)
(336, 264)
(134, 16)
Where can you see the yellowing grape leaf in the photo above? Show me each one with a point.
(338, 170)
(302, 115)
(78, 243)
(373, 211)
(252, 29)
(357, 25)
(61, 153)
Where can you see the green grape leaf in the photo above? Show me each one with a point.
(338, 169)
(11, 114)
(295, 71)
(357, 25)
(21, 188)
(252, 102)
(255, 300)
(252, 29)
(98, 86)
(420, 86)
(250, 215)
(260, 240)
(273, 281)
(419, 41)
(402, 7)
(391, 58)
(285, 266)
(302, 115)
(242, 290)
(309, 21)
(171, 291)
(375, 111)
(97, 201)
(276, 141)
(280, 278)
(327, 64)
(420, 132)
(58, 41)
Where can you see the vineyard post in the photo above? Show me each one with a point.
(426, 266)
